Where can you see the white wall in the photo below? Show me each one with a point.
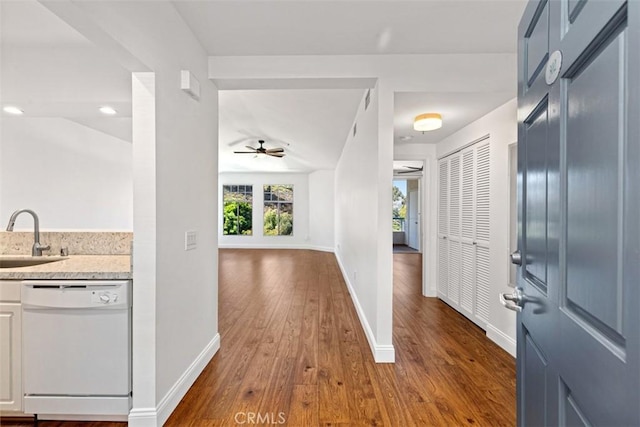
(322, 209)
(175, 138)
(72, 176)
(300, 237)
(501, 126)
(364, 252)
(426, 153)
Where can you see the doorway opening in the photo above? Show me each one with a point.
(406, 215)
(407, 206)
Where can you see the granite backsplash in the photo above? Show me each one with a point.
(76, 242)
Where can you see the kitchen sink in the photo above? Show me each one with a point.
(14, 261)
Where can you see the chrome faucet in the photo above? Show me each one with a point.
(37, 248)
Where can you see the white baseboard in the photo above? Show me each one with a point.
(319, 248)
(430, 293)
(143, 417)
(381, 353)
(153, 417)
(507, 343)
(173, 397)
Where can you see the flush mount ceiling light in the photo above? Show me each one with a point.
(10, 109)
(428, 121)
(109, 111)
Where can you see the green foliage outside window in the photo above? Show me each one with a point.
(238, 210)
(399, 209)
(278, 210)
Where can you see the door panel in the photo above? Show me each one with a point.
(443, 266)
(537, 44)
(454, 270)
(535, 383)
(535, 233)
(571, 414)
(468, 279)
(413, 219)
(482, 284)
(595, 107)
(579, 217)
(443, 198)
(482, 207)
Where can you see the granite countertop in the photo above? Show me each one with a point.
(76, 267)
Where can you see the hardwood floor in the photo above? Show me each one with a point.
(293, 352)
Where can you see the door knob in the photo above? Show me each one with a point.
(516, 258)
(514, 301)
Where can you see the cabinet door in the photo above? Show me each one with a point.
(10, 358)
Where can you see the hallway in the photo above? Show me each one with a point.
(293, 348)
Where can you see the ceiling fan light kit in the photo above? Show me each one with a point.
(427, 122)
(273, 152)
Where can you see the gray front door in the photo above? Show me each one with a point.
(579, 214)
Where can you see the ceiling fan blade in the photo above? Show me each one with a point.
(239, 141)
(413, 167)
(275, 154)
(275, 150)
(245, 152)
(400, 172)
(250, 147)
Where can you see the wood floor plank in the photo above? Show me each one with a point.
(303, 410)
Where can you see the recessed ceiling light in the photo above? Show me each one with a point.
(13, 110)
(109, 111)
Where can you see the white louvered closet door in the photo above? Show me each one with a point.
(463, 231)
(468, 261)
(443, 228)
(454, 229)
(482, 230)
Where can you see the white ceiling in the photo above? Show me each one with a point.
(353, 27)
(457, 110)
(52, 70)
(311, 126)
(48, 69)
(347, 28)
(26, 23)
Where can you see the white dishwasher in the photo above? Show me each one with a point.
(77, 348)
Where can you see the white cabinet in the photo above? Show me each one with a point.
(10, 347)
(463, 231)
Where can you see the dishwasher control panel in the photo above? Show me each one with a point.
(104, 297)
(76, 293)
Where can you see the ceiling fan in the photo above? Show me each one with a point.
(412, 169)
(273, 152)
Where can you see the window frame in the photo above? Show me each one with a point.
(243, 190)
(277, 201)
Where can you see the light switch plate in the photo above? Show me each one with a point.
(190, 240)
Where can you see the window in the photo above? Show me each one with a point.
(237, 201)
(278, 210)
